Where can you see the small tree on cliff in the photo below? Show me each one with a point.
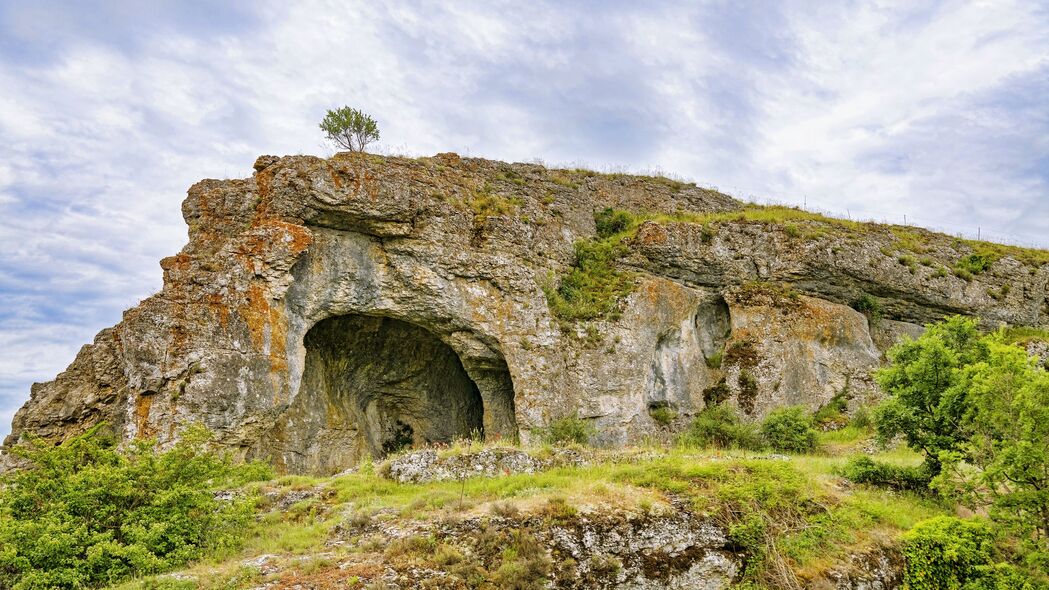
(349, 128)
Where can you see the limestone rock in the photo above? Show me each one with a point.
(327, 309)
(427, 465)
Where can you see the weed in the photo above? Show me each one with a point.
(568, 430)
(714, 361)
(974, 264)
(663, 415)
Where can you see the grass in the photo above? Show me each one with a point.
(801, 513)
(485, 203)
(1025, 334)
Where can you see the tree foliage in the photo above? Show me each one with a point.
(947, 553)
(977, 406)
(927, 388)
(1004, 462)
(350, 128)
(85, 514)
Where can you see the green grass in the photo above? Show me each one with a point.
(1025, 334)
(485, 203)
(795, 506)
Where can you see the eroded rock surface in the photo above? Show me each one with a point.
(428, 465)
(327, 309)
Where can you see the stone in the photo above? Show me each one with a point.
(325, 310)
(427, 465)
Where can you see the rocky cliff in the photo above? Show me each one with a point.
(324, 310)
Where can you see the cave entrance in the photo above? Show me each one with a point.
(376, 385)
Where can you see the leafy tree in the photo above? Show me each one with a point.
(978, 408)
(1004, 463)
(928, 389)
(85, 514)
(350, 128)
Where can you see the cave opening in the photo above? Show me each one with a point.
(375, 385)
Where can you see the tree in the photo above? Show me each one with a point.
(1004, 464)
(928, 389)
(350, 128)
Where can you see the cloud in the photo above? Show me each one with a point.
(110, 110)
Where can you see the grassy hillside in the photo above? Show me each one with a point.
(795, 513)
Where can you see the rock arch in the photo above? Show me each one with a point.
(372, 385)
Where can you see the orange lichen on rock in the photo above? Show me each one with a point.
(178, 262)
(651, 233)
(218, 307)
(267, 326)
(143, 404)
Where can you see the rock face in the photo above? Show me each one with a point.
(328, 309)
(615, 551)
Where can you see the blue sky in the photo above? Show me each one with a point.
(110, 110)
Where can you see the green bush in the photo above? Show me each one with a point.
(568, 430)
(974, 264)
(947, 553)
(663, 415)
(610, 222)
(869, 306)
(593, 286)
(865, 470)
(84, 514)
(789, 430)
(832, 413)
(719, 426)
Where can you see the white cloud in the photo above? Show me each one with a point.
(935, 111)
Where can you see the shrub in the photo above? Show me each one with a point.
(974, 264)
(831, 413)
(85, 514)
(719, 426)
(662, 414)
(593, 286)
(612, 221)
(568, 430)
(948, 553)
(349, 128)
(869, 306)
(865, 470)
(789, 430)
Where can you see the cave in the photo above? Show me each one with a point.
(373, 385)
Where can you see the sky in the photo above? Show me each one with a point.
(109, 111)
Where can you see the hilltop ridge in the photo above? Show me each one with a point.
(325, 310)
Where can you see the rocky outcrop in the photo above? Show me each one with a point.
(674, 550)
(428, 465)
(328, 309)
